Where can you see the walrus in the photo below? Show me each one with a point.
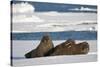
(70, 48)
(65, 48)
(44, 46)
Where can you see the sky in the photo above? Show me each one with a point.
(87, 2)
(58, 7)
(22, 10)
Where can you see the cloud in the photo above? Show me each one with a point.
(83, 9)
(25, 18)
(24, 12)
(22, 8)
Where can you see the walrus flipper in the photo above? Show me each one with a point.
(31, 54)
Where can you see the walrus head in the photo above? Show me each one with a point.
(45, 45)
(82, 48)
(46, 42)
(45, 39)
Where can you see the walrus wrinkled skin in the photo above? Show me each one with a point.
(70, 48)
(44, 46)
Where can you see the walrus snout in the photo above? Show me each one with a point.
(83, 48)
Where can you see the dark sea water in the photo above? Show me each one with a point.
(77, 35)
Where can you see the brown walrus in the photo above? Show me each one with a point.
(44, 46)
(65, 48)
(70, 48)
